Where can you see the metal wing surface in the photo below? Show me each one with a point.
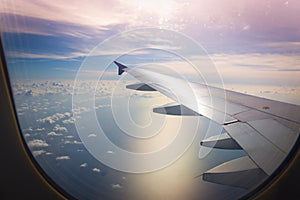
(265, 129)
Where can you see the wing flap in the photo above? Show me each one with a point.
(262, 151)
(222, 141)
(175, 110)
(273, 131)
(241, 172)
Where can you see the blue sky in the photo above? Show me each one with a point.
(258, 39)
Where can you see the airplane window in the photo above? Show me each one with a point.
(155, 99)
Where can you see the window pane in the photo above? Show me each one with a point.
(145, 127)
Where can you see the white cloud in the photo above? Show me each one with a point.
(102, 106)
(52, 119)
(70, 55)
(76, 142)
(79, 110)
(63, 158)
(83, 165)
(110, 152)
(60, 128)
(54, 134)
(44, 87)
(69, 121)
(92, 135)
(116, 186)
(268, 69)
(37, 143)
(90, 14)
(72, 142)
(39, 152)
(172, 14)
(282, 46)
(67, 142)
(47, 119)
(96, 170)
(67, 114)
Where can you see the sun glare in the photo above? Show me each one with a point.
(161, 9)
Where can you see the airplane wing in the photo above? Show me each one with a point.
(265, 129)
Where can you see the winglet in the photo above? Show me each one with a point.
(121, 67)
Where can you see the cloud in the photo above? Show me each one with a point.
(48, 119)
(110, 152)
(83, 165)
(72, 142)
(78, 110)
(289, 70)
(227, 24)
(67, 114)
(283, 46)
(270, 69)
(261, 16)
(52, 119)
(116, 186)
(70, 55)
(92, 135)
(83, 14)
(76, 142)
(96, 170)
(69, 121)
(54, 134)
(37, 143)
(44, 87)
(102, 106)
(144, 96)
(39, 152)
(60, 128)
(63, 158)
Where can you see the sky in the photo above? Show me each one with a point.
(253, 42)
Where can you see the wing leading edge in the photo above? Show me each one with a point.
(265, 129)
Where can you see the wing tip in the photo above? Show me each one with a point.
(121, 67)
